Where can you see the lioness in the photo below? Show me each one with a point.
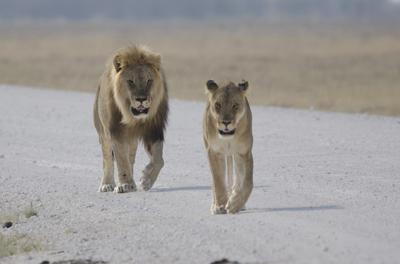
(131, 105)
(228, 138)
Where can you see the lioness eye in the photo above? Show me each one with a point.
(235, 107)
(131, 83)
(217, 106)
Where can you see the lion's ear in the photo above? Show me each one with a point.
(117, 63)
(153, 59)
(243, 86)
(212, 86)
(158, 60)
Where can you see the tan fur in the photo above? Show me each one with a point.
(132, 74)
(227, 103)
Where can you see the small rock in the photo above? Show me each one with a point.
(2, 156)
(45, 262)
(80, 261)
(224, 261)
(7, 224)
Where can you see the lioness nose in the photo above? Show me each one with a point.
(226, 123)
(141, 99)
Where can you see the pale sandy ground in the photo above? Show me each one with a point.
(326, 188)
(341, 67)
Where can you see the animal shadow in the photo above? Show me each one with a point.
(294, 209)
(193, 188)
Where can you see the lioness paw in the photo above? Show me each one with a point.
(217, 209)
(124, 188)
(233, 206)
(106, 188)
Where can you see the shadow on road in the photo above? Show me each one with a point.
(183, 188)
(193, 188)
(293, 209)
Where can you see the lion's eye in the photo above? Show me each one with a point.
(235, 107)
(131, 83)
(149, 83)
(217, 106)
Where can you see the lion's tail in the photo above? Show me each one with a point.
(229, 173)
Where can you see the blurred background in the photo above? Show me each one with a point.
(335, 55)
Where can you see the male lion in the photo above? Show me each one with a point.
(131, 105)
(228, 139)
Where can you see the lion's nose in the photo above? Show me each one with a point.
(141, 99)
(226, 123)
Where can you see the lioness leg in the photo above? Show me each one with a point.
(217, 164)
(229, 174)
(107, 181)
(151, 171)
(125, 179)
(243, 183)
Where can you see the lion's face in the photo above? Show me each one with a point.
(138, 81)
(227, 105)
(138, 85)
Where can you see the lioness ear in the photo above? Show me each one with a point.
(117, 63)
(212, 86)
(243, 86)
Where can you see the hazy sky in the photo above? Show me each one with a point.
(193, 9)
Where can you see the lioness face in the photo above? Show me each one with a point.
(138, 82)
(227, 105)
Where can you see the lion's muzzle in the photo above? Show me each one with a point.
(141, 110)
(141, 106)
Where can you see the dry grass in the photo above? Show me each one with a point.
(353, 70)
(30, 211)
(13, 244)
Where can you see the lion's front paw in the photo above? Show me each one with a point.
(124, 188)
(215, 209)
(234, 206)
(150, 174)
(106, 188)
(146, 183)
